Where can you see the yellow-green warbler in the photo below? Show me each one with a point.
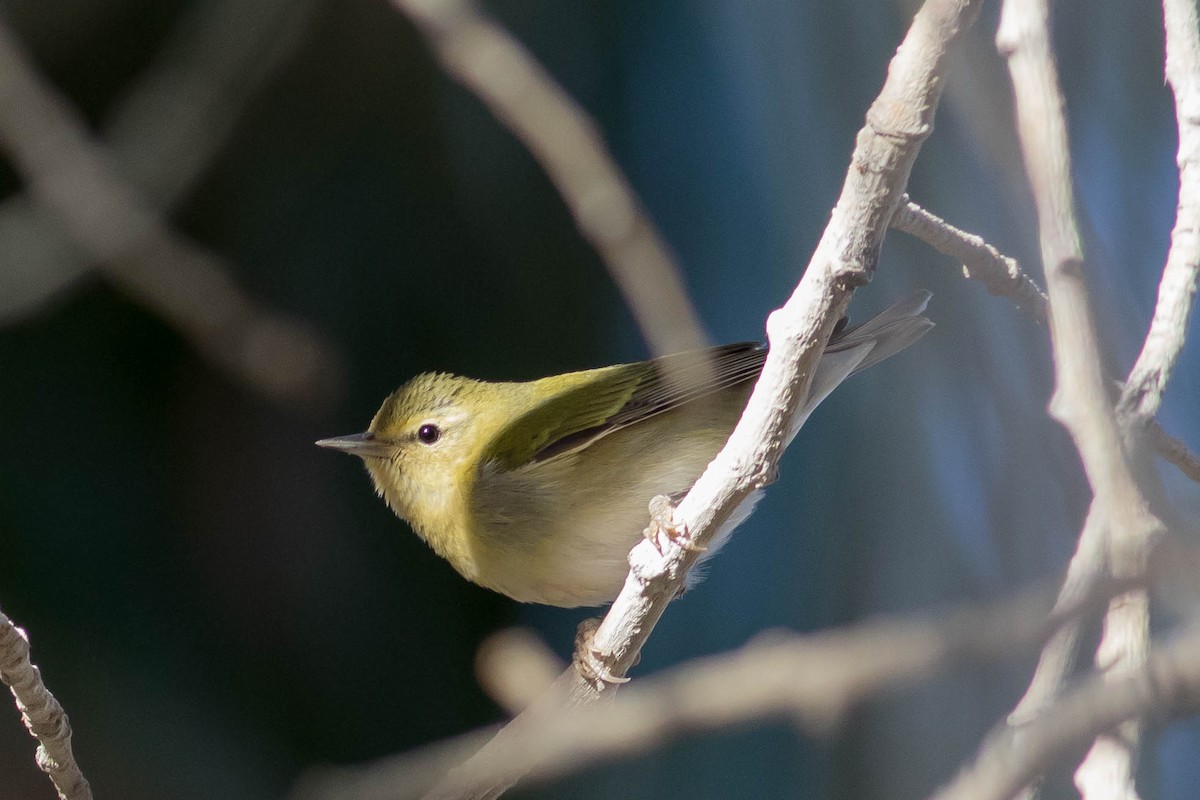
(539, 489)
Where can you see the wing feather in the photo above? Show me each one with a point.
(662, 385)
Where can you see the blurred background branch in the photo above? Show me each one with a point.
(164, 133)
(567, 143)
(72, 176)
(1120, 517)
(1167, 684)
(815, 682)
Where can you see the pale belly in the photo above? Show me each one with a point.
(560, 532)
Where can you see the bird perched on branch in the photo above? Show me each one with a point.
(539, 489)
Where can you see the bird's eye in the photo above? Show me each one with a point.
(429, 433)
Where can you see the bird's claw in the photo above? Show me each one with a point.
(664, 524)
(588, 658)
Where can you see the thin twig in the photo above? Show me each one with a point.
(42, 714)
(1001, 274)
(71, 174)
(898, 122)
(1174, 451)
(566, 142)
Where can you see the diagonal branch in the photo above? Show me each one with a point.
(1001, 274)
(815, 681)
(1174, 451)
(43, 716)
(897, 124)
(487, 60)
(69, 173)
(1004, 277)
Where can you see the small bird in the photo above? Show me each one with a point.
(539, 489)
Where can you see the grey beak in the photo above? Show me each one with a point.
(358, 444)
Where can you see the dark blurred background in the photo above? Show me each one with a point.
(193, 572)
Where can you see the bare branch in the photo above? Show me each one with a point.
(566, 142)
(1001, 274)
(1168, 329)
(815, 681)
(1168, 683)
(1080, 401)
(1057, 659)
(43, 716)
(1174, 451)
(897, 124)
(169, 126)
(69, 173)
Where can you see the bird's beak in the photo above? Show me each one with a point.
(358, 444)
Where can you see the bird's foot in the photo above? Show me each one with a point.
(589, 661)
(664, 524)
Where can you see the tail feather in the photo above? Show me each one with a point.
(854, 349)
(893, 329)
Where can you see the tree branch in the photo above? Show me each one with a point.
(1168, 329)
(1167, 684)
(1004, 277)
(897, 124)
(1001, 274)
(1080, 400)
(71, 174)
(491, 63)
(816, 681)
(43, 716)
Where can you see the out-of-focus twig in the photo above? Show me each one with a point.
(178, 117)
(68, 172)
(566, 142)
(515, 667)
(1080, 400)
(1058, 657)
(1174, 451)
(1168, 683)
(395, 777)
(816, 681)
(43, 716)
(162, 135)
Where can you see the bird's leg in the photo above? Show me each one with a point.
(663, 523)
(588, 659)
